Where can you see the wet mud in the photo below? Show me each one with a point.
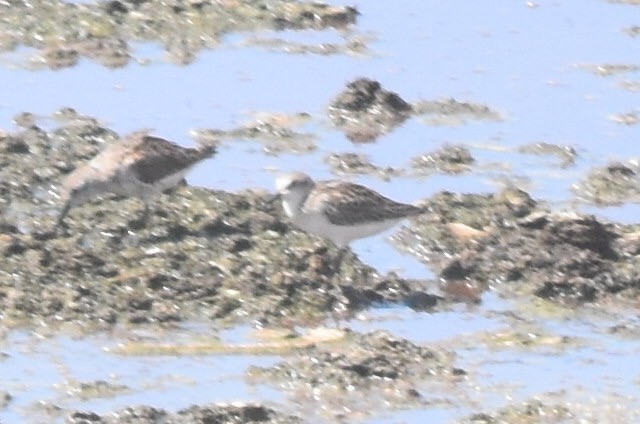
(241, 413)
(614, 184)
(355, 375)
(533, 411)
(233, 258)
(279, 133)
(95, 389)
(511, 240)
(566, 155)
(202, 254)
(62, 33)
(365, 111)
(359, 164)
(447, 159)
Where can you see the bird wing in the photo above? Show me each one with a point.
(153, 158)
(346, 203)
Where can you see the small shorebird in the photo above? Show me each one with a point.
(139, 165)
(337, 210)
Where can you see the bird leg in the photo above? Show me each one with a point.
(143, 219)
(341, 302)
(62, 215)
(342, 250)
(146, 213)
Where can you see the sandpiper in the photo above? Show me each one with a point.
(139, 165)
(338, 210)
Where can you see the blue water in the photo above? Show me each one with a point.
(45, 369)
(527, 63)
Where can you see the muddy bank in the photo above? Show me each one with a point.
(203, 253)
(447, 159)
(243, 413)
(613, 184)
(566, 155)
(362, 373)
(365, 111)
(278, 132)
(359, 164)
(64, 32)
(508, 238)
(533, 411)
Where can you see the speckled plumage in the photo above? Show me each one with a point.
(346, 203)
(138, 165)
(340, 211)
(152, 158)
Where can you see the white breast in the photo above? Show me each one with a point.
(341, 235)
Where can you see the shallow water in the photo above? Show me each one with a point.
(48, 370)
(42, 372)
(528, 60)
